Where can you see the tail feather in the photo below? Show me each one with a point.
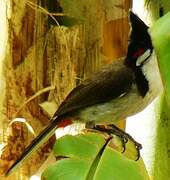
(36, 143)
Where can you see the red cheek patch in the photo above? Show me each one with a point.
(138, 52)
(64, 123)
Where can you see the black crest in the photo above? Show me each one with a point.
(139, 32)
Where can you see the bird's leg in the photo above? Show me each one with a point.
(125, 136)
(112, 129)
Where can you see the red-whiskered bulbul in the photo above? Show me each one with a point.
(116, 92)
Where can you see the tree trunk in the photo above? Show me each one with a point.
(44, 61)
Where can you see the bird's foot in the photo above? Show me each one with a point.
(125, 137)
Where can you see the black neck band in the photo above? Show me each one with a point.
(142, 82)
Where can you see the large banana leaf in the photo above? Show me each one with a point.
(160, 33)
(92, 156)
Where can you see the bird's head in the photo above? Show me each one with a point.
(140, 45)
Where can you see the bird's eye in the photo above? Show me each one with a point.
(141, 59)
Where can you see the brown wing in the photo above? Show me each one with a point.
(103, 86)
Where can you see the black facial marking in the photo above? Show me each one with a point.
(139, 31)
(142, 83)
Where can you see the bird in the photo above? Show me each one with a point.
(117, 91)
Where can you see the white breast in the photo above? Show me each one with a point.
(151, 71)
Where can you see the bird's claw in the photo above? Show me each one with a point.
(125, 137)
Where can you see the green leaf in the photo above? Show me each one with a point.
(92, 156)
(70, 146)
(161, 164)
(67, 169)
(160, 33)
(114, 166)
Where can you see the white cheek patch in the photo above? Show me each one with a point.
(141, 59)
